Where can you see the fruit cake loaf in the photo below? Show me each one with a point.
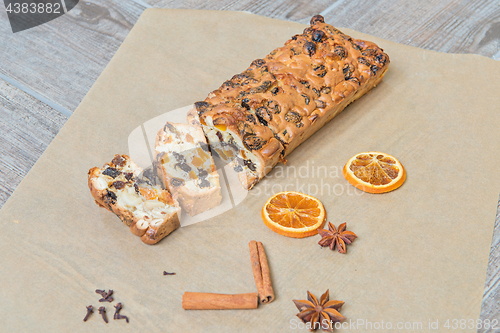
(120, 186)
(186, 168)
(260, 116)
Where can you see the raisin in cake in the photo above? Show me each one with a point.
(149, 211)
(260, 116)
(186, 168)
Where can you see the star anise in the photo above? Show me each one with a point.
(336, 237)
(323, 314)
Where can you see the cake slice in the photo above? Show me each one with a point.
(258, 117)
(185, 166)
(121, 187)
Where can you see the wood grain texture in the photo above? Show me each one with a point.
(61, 59)
(298, 11)
(27, 126)
(455, 26)
(490, 308)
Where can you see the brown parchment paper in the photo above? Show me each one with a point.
(422, 250)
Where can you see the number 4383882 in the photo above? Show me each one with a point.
(34, 8)
(471, 324)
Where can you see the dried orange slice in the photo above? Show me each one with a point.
(294, 214)
(374, 172)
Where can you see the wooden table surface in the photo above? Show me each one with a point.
(46, 71)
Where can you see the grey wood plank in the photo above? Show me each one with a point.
(490, 308)
(455, 26)
(61, 59)
(298, 11)
(27, 126)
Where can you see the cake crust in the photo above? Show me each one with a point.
(258, 117)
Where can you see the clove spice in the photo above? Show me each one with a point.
(102, 311)
(166, 273)
(117, 315)
(90, 309)
(106, 296)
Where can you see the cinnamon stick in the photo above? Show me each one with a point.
(261, 274)
(209, 301)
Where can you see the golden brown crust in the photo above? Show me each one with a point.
(154, 234)
(280, 100)
(97, 194)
